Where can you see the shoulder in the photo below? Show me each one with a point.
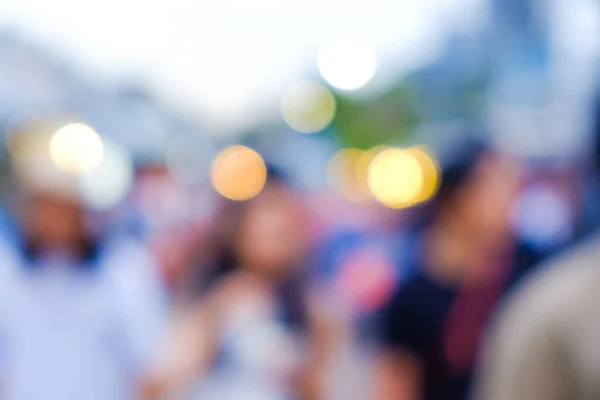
(537, 339)
(407, 302)
(11, 269)
(127, 248)
(124, 255)
(556, 293)
(10, 256)
(412, 292)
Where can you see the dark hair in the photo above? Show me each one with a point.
(231, 216)
(457, 166)
(225, 260)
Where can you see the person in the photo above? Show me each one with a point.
(256, 331)
(80, 313)
(544, 344)
(161, 212)
(465, 259)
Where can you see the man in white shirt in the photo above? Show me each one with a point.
(79, 316)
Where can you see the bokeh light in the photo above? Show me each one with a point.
(107, 185)
(343, 178)
(29, 144)
(347, 173)
(431, 172)
(396, 178)
(347, 63)
(35, 170)
(361, 169)
(189, 158)
(21, 135)
(238, 173)
(308, 107)
(76, 148)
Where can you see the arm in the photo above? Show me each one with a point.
(139, 302)
(140, 299)
(325, 336)
(397, 376)
(186, 355)
(192, 343)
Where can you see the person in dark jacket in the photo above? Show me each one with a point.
(465, 259)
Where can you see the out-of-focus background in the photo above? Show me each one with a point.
(284, 163)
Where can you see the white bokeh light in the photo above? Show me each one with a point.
(347, 63)
(216, 68)
(106, 185)
(76, 148)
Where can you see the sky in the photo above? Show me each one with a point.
(228, 62)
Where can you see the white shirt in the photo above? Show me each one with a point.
(258, 354)
(67, 333)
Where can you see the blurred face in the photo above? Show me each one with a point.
(53, 222)
(273, 232)
(485, 204)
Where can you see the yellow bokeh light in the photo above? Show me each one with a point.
(362, 165)
(431, 173)
(348, 173)
(76, 148)
(238, 173)
(308, 107)
(396, 178)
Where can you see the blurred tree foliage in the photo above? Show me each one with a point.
(392, 117)
(452, 88)
(385, 119)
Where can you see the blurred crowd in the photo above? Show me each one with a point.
(285, 295)
(138, 262)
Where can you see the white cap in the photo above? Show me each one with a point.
(36, 173)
